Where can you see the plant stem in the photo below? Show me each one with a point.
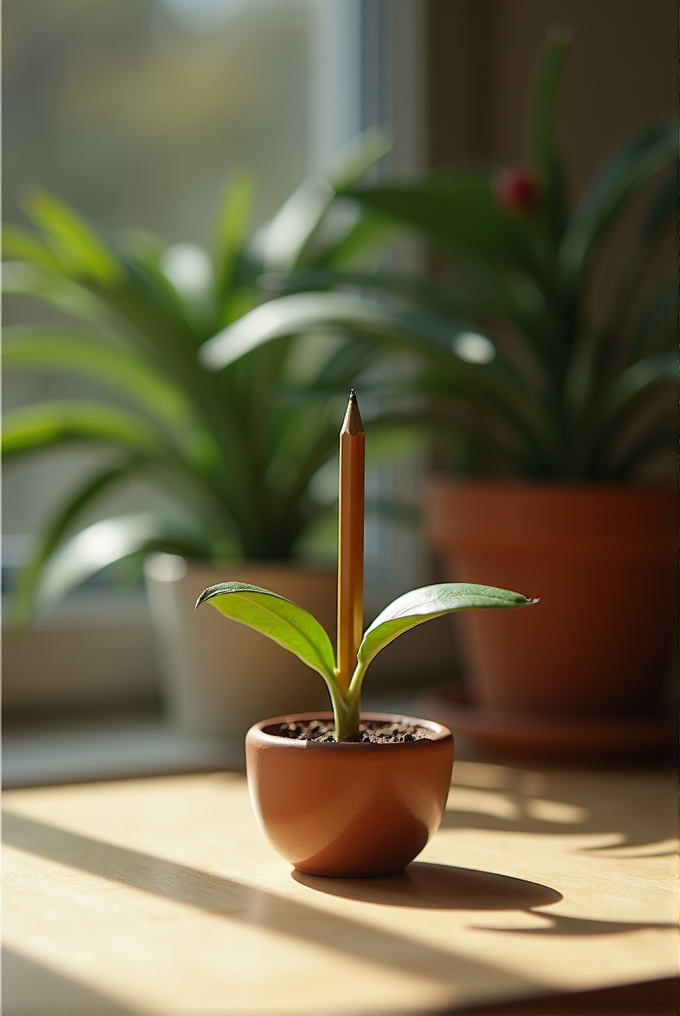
(346, 713)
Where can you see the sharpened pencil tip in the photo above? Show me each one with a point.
(352, 424)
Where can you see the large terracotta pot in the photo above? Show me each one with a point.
(348, 809)
(601, 560)
(219, 676)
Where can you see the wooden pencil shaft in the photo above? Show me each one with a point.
(350, 542)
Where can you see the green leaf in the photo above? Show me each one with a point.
(50, 347)
(546, 93)
(304, 312)
(48, 424)
(637, 381)
(357, 157)
(26, 246)
(495, 390)
(288, 235)
(457, 212)
(613, 189)
(43, 282)
(24, 591)
(77, 246)
(546, 90)
(47, 347)
(278, 618)
(107, 542)
(230, 231)
(431, 601)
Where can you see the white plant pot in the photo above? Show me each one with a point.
(218, 676)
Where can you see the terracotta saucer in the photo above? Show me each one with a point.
(551, 738)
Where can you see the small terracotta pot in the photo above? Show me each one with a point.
(348, 809)
(602, 562)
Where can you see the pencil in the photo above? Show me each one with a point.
(350, 542)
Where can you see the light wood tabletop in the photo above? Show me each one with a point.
(161, 896)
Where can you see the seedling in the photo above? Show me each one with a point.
(298, 631)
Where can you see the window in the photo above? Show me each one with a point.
(133, 111)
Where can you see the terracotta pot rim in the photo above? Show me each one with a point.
(439, 732)
(443, 480)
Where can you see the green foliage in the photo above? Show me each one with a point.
(298, 631)
(555, 390)
(236, 449)
(280, 619)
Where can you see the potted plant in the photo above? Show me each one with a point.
(551, 415)
(235, 451)
(347, 794)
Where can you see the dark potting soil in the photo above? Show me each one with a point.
(375, 731)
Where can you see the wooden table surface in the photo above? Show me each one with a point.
(161, 896)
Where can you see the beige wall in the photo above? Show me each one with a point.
(621, 72)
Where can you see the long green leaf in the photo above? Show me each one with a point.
(502, 394)
(104, 543)
(278, 618)
(230, 231)
(24, 591)
(611, 192)
(46, 347)
(546, 93)
(288, 235)
(77, 246)
(26, 246)
(48, 424)
(431, 601)
(457, 212)
(634, 383)
(305, 312)
(45, 283)
(546, 90)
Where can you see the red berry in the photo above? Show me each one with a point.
(517, 190)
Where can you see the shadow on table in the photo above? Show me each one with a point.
(27, 984)
(438, 887)
(234, 900)
(424, 885)
(444, 887)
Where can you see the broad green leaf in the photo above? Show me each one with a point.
(76, 244)
(278, 618)
(104, 543)
(48, 424)
(431, 601)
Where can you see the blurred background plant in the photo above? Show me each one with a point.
(238, 450)
(518, 376)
